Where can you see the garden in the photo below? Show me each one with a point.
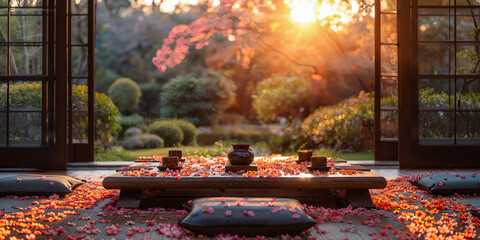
(201, 76)
(237, 119)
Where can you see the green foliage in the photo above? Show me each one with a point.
(220, 85)
(210, 137)
(133, 143)
(25, 126)
(134, 120)
(125, 93)
(133, 131)
(106, 116)
(279, 96)
(235, 135)
(196, 100)
(168, 131)
(151, 141)
(347, 126)
(149, 102)
(28, 96)
(24, 96)
(184, 97)
(289, 139)
(189, 132)
(143, 141)
(112, 155)
(127, 37)
(104, 78)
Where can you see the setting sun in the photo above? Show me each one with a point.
(303, 11)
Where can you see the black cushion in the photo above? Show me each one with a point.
(247, 217)
(447, 184)
(30, 184)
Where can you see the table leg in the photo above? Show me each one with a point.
(359, 198)
(129, 199)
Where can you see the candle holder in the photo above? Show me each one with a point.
(170, 162)
(318, 163)
(304, 156)
(177, 153)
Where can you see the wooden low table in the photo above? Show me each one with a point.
(307, 187)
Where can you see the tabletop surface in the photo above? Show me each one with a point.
(273, 172)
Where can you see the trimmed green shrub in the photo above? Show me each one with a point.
(104, 78)
(347, 126)
(133, 131)
(150, 140)
(170, 132)
(133, 143)
(197, 100)
(183, 97)
(130, 121)
(125, 93)
(189, 132)
(106, 116)
(280, 96)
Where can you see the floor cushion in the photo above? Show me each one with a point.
(447, 184)
(32, 184)
(246, 217)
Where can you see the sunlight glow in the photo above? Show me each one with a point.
(335, 13)
(303, 11)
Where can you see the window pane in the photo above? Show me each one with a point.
(80, 61)
(80, 29)
(3, 27)
(435, 94)
(25, 96)
(80, 111)
(388, 5)
(389, 59)
(3, 130)
(26, 60)
(25, 127)
(436, 126)
(3, 96)
(434, 2)
(3, 3)
(28, 29)
(467, 59)
(435, 24)
(435, 59)
(27, 11)
(388, 124)
(80, 6)
(466, 19)
(26, 3)
(3, 60)
(389, 89)
(468, 126)
(468, 3)
(388, 23)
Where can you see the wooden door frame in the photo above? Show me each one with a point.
(52, 153)
(413, 154)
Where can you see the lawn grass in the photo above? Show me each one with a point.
(355, 156)
(209, 149)
(164, 151)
